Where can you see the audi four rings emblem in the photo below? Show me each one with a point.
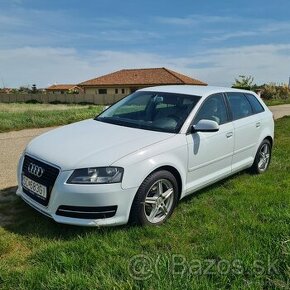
(35, 169)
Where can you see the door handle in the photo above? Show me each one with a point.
(229, 134)
(258, 124)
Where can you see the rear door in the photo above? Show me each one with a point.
(247, 128)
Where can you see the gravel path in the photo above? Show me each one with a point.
(12, 145)
(280, 111)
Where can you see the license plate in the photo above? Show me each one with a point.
(34, 187)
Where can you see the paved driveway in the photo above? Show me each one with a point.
(280, 111)
(13, 143)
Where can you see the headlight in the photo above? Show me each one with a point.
(96, 175)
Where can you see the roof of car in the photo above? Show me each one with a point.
(192, 90)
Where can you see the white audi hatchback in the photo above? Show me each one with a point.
(138, 158)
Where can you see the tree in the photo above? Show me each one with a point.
(34, 89)
(244, 82)
(24, 89)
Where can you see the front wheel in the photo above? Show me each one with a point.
(263, 157)
(155, 200)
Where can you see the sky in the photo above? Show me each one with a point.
(46, 42)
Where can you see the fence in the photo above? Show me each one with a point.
(61, 98)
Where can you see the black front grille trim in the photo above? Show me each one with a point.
(47, 179)
(87, 212)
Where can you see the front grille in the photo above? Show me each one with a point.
(47, 179)
(87, 212)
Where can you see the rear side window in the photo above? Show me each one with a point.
(256, 105)
(239, 105)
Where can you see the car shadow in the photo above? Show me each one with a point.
(19, 218)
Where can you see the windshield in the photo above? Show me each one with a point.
(165, 112)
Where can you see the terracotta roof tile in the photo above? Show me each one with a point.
(62, 87)
(146, 77)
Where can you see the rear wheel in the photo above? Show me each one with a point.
(156, 199)
(263, 157)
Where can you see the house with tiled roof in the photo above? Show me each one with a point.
(64, 89)
(126, 81)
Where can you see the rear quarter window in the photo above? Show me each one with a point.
(255, 103)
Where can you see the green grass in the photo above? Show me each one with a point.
(232, 235)
(17, 116)
(276, 102)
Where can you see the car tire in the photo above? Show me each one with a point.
(262, 158)
(155, 199)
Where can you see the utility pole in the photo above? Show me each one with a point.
(289, 83)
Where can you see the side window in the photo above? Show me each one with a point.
(256, 105)
(102, 91)
(239, 105)
(214, 109)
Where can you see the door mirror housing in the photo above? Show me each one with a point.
(205, 126)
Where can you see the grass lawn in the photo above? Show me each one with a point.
(17, 116)
(277, 102)
(232, 235)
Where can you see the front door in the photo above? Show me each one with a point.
(210, 153)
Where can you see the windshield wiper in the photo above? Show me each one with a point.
(117, 121)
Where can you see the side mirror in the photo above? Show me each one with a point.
(205, 126)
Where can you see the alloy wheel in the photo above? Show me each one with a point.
(159, 201)
(264, 157)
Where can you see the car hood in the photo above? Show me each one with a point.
(91, 143)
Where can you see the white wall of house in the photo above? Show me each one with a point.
(110, 91)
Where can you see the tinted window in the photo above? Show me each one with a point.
(239, 105)
(213, 109)
(256, 105)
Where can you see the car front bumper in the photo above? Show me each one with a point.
(83, 199)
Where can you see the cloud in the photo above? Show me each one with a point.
(261, 29)
(267, 63)
(193, 20)
(226, 36)
(45, 66)
(10, 20)
(22, 27)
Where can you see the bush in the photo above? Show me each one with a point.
(274, 91)
(245, 83)
(33, 102)
(57, 103)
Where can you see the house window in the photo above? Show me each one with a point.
(123, 91)
(116, 91)
(102, 91)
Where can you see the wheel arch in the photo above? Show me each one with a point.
(270, 139)
(175, 173)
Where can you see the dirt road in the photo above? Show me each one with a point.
(12, 145)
